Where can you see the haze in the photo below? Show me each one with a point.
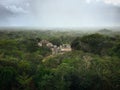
(59, 13)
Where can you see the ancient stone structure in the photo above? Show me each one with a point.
(54, 48)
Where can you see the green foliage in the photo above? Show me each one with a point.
(31, 45)
(24, 66)
(116, 50)
(87, 72)
(94, 63)
(56, 41)
(24, 81)
(44, 79)
(94, 43)
(7, 78)
(45, 51)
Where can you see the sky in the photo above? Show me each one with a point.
(59, 13)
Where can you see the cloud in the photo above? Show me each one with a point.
(16, 9)
(59, 13)
(111, 2)
(88, 1)
(114, 2)
(4, 12)
(76, 13)
(16, 6)
(12, 10)
(4, 15)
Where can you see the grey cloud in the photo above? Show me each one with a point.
(11, 13)
(4, 12)
(59, 13)
(16, 9)
(76, 13)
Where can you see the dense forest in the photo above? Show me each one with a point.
(93, 63)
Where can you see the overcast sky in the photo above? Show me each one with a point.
(59, 13)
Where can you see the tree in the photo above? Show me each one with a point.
(7, 78)
(94, 43)
(44, 79)
(24, 81)
(116, 50)
(56, 41)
